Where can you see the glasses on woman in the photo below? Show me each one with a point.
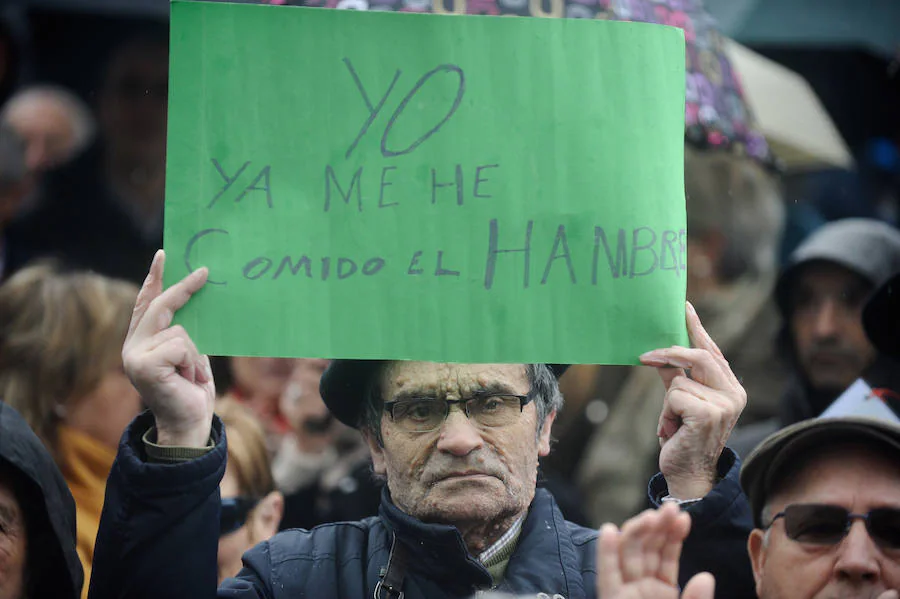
(823, 524)
(234, 512)
(428, 414)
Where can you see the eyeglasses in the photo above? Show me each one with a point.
(428, 414)
(821, 524)
(234, 512)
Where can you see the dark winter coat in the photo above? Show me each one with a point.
(159, 532)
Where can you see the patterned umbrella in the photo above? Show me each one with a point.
(716, 113)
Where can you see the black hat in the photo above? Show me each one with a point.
(343, 386)
(764, 469)
(881, 317)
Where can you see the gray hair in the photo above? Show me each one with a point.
(83, 123)
(765, 517)
(544, 391)
(740, 200)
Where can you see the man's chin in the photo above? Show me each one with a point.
(830, 383)
(473, 498)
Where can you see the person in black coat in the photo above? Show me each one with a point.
(458, 445)
(37, 518)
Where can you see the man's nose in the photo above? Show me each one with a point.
(459, 435)
(858, 557)
(826, 319)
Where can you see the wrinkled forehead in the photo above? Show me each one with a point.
(434, 379)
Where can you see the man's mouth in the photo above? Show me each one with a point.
(830, 358)
(464, 475)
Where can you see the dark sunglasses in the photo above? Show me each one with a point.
(821, 524)
(234, 512)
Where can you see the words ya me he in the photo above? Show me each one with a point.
(614, 254)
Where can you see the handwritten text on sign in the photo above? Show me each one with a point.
(353, 200)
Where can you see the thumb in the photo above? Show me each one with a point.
(702, 586)
(889, 595)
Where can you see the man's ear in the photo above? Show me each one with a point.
(544, 437)
(756, 547)
(266, 517)
(377, 452)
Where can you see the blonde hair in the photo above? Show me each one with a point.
(60, 334)
(247, 450)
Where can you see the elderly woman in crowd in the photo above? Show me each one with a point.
(251, 507)
(61, 336)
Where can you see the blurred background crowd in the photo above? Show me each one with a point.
(792, 180)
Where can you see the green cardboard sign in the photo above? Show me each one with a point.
(447, 188)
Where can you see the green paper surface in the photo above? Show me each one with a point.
(357, 182)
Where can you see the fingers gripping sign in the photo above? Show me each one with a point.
(173, 378)
(641, 560)
(699, 410)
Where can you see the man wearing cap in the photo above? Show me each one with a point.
(821, 292)
(825, 495)
(826, 501)
(458, 445)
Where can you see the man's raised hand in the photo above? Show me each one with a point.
(163, 363)
(698, 412)
(641, 560)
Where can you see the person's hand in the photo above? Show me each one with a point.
(698, 412)
(174, 380)
(641, 561)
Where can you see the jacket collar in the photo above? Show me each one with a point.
(542, 561)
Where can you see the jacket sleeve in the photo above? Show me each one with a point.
(720, 527)
(159, 531)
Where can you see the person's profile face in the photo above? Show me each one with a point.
(13, 544)
(826, 325)
(462, 471)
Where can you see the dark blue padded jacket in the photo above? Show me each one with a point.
(159, 533)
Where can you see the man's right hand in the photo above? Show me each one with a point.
(174, 380)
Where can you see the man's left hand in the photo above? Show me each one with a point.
(641, 560)
(699, 411)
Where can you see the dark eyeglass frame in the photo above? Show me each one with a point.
(796, 515)
(389, 406)
(234, 512)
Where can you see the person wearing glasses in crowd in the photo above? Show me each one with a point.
(825, 494)
(251, 508)
(826, 502)
(458, 445)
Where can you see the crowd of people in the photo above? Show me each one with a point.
(133, 466)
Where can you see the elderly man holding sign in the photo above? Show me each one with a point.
(458, 444)
(449, 226)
